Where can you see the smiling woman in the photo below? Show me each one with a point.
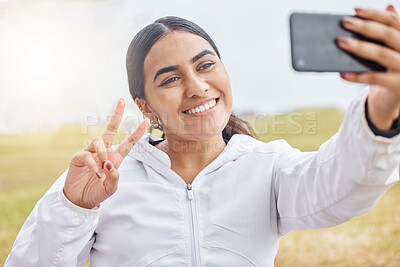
(175, 72)
(195, 79)
(209, 194)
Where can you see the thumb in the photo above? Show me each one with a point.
(112, 177)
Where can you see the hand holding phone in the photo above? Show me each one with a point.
(314, 45)
(379, 25)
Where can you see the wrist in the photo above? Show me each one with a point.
(77, 203)
(76, 208)
(383, 115)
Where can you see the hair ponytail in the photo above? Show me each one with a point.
(237, 125)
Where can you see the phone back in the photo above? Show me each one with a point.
(314, 48)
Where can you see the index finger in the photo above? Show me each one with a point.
(127, 144)
(113, 125)
(385, 17)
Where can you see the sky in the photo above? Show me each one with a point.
(63, 61)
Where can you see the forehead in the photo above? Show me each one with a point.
(176, 48)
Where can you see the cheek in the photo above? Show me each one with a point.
(224, 86)
(168, 108)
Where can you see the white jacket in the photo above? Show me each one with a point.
(234, 212)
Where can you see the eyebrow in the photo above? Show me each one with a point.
(202, 54)
(194, 59)
(163, 70)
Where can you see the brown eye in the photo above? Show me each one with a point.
(170, 80)
(206, 66)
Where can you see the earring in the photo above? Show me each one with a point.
(157, 125)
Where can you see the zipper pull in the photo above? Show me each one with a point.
(190, 192)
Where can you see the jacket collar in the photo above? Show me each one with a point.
(149, 155)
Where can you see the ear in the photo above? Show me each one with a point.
(146, 110)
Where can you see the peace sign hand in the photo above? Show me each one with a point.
(92, 176)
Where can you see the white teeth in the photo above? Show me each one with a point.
(212, 103)
(202, 108)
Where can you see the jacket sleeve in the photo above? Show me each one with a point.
(346, 177)
(56, 233)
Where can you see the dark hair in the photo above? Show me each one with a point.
(141, 45)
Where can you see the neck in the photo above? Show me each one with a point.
(192, 154)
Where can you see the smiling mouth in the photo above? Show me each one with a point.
(203, 108)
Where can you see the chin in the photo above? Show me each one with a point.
(206, 132)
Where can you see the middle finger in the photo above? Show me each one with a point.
(374, 30)
(373, 52)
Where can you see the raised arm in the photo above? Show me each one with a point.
(60, 229)
(345, 178)
(350, 172)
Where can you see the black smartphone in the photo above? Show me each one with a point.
(314, 49)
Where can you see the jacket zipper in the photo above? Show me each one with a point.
(194, 228)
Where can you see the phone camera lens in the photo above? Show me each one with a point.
(300, 63)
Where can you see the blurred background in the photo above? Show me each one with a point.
(62, 70)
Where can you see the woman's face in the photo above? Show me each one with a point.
(187, 87)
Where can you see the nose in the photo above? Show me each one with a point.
(195, 86)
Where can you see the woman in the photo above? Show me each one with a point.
(210, 194)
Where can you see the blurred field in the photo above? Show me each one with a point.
(30, 163)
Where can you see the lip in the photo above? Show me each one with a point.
(207, 111)
(201, 103)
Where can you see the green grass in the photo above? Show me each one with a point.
(30, 163)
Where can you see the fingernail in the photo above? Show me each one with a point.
(98, 174)
(349, 20)
(346, 75)
(102, 164)
(391, 9)
(109, 166)
(122, 99)
(346, 41)
(358, 10)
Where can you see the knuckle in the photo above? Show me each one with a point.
(97, 140)
(132, 139)
(77, 155)
(389, 33)
(382, 53)
(363, 26)
(112, 127)
(393, 19)
(356, 45)
(86, 156)
(371, 78)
